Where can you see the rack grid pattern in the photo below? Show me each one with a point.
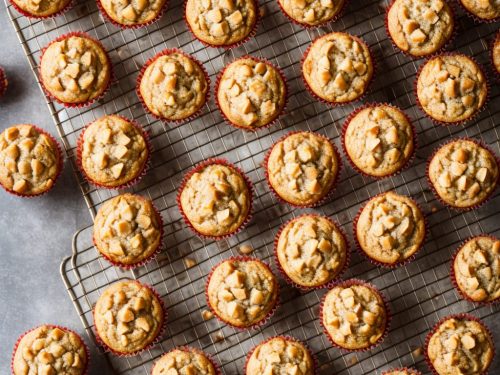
(420, 293)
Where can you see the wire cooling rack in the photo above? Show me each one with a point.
(420, 293)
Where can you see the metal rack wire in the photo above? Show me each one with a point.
(420, 293)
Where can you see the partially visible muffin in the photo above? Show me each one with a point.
(390, 228)
(41, 8)
(302, 168)
(134, 13)
(379, 140)
(463, 174)
(460, 345)
(402, 371)
(420, 27)
(476, 269)
(251, 93)
(488, 10)
(128, 317)
(127, 229)
(451, 88)
(113, 151)
(311, 250)
(354, 315)
(173, 86)
(495, 53)
(30, 160)
(242, 292)
(215, 199)
(221, 23)
(75, 69)
(338, 67)
(49, 349)
(312, 12)
(280, 355)
(184, 361)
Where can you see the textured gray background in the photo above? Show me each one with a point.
(35, 234)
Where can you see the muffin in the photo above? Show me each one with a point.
(487, 10)
(30, 160)
(451, 88)
(459, 345)
(420, 27)
(112, 151)
(41, 9)
(402, 371)
(127, 230)
(184, 361)
(280, 355)
(311, 251)
(312, 12)
(133, 14)
(495, 54)
(242, 292)
(338, 67)
(128, 317)
(378, 140)
(223, 23)
(302, 168)
(215, 199)
(476, 269)
(354, 315)
(462, 173)
(75, 69)
(173, 86)
(251, 93)
(390, 229)
(50, 349)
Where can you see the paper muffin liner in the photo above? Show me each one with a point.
(128, 184)
(328, 284)
(459, 122)
(433, 189)
(59, 153)
(346, 124)
(198, 167)
(453, 277)
(267, 317)
(368, 84)
(446, 45)
(495, 40)
(165, 52)
(327, 196)
(86, 103)
(85, 347)
(27, 14)
(146, 260)
(409, 370)
(474, 17)
(388, 314)
(190, 349)
(155, 341)
(278, 116)
(375, 262)
(287, 338)
(108, 18)
(336, 17)
(250, 35)
(461, 316)
(3, 82)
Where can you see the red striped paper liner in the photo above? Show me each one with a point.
(198, 167)
(346, 124)
(170, 51)
(269, 314)
(329, 283)
(273, 121)
(190, 349)
(3, 82)
(58, 152)
(335, 18)
(122, 26)
(327, 195)
(136, 179)
(388, 317)
(71, 4)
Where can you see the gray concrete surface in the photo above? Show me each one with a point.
(35, 234)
